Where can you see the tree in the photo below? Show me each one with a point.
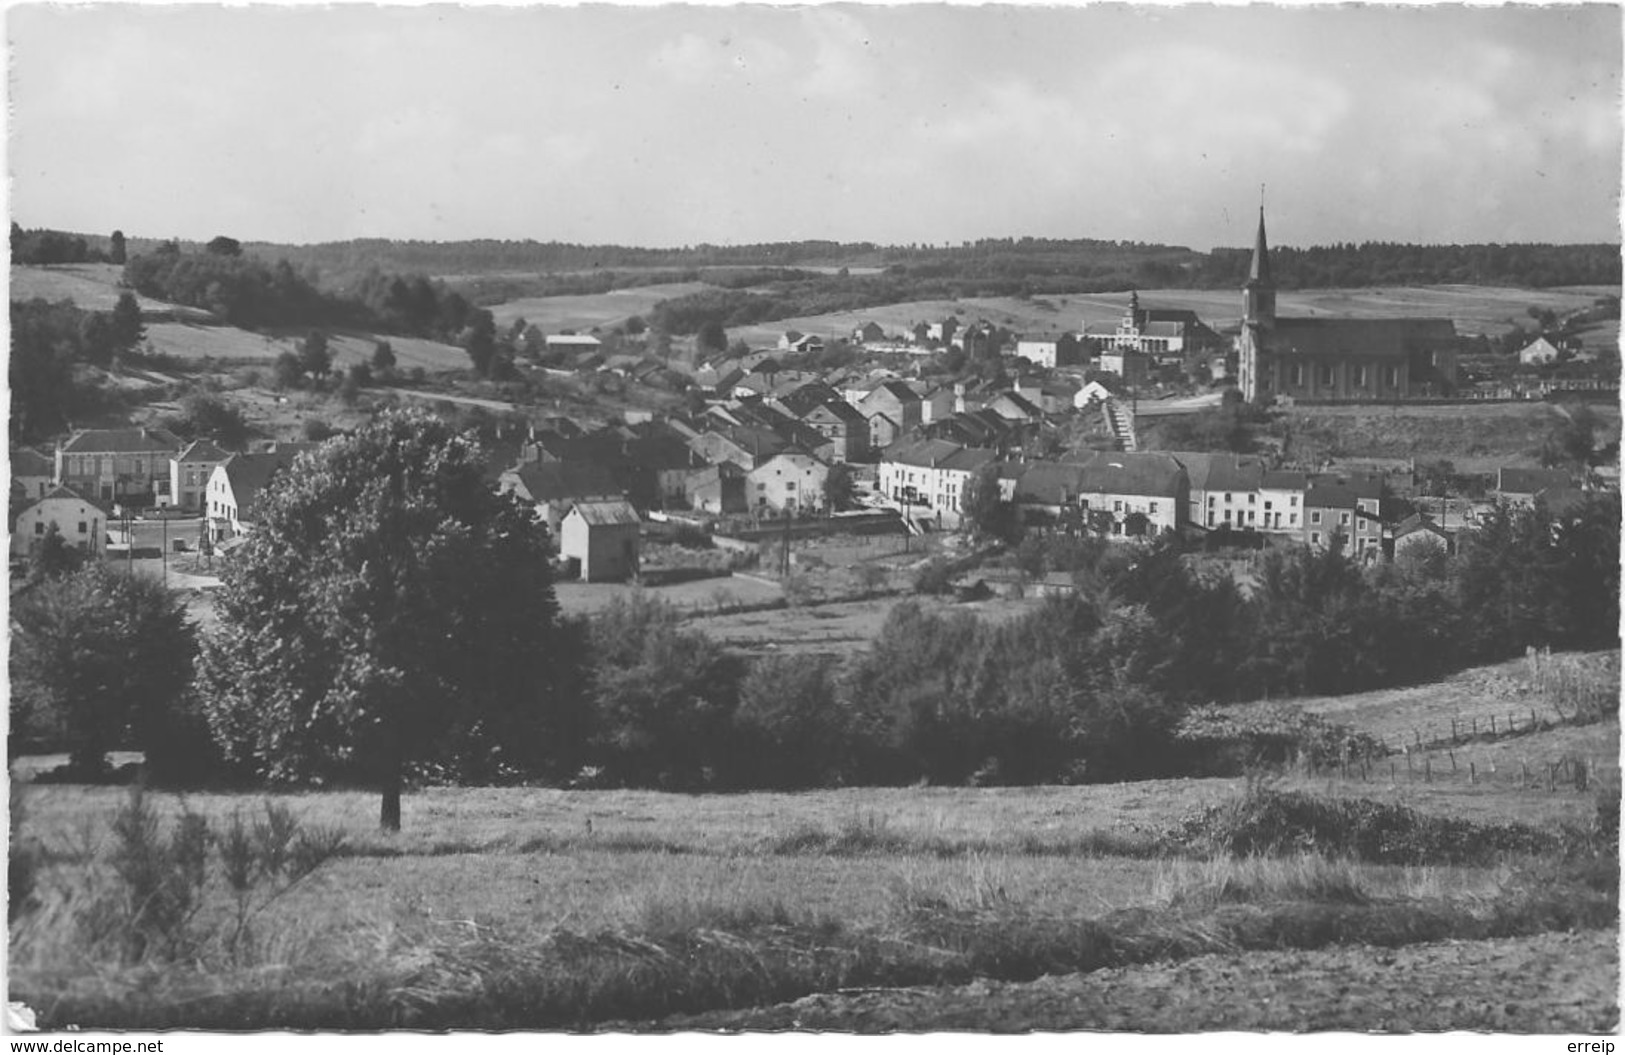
(54, 558)
(390, 611)
(1571, 441)
(383, 359)
(838, 487)
(97, 657)
(127, 328)
(116, 252)
(711, 337)
(980, 502)
(480, 342)
(314, 357)
(287, 371)
(220, 245)
(207, 415)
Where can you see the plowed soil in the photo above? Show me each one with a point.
(1550, 983)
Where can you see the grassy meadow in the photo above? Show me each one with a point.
(535, 907)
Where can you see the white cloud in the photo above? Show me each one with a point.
(842, 61)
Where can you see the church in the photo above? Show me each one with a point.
(1333, 360)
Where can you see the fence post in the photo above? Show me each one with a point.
(1452, 730)
(1475, 725)
(1427, 767)
(1531, 717)
(1551, 776)
(1452, 761)
(1492, 725)
(1524, 763)
(1472, 773)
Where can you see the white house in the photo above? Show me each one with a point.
(236, 484)
(792, 479)
(81, 523)
(1539, 352)
(1040, 350)
(929, 478)
(189, 473)
(1091, 393)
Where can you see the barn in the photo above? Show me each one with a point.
(603, 537)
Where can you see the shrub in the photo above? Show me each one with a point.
(1229, 742)
(1265, 821)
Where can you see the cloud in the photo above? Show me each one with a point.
(842, 63)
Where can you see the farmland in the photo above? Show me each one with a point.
(531, 907)
(586, 311)
(1474, 309)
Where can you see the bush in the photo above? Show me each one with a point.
(935, 577)
(1265, 821)
(1227, 742)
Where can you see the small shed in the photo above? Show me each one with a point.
(603, 537)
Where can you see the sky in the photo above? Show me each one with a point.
(666, 125)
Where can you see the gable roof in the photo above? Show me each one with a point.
(247, 474)
(548, 481)
(1515, 481)
(25, 461)
(1221, 472)
(1150, 473)
(600, 514)
(202, 451)
(60, 493)
(1379, 337)
(122, 441)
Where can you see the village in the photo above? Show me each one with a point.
(1044, 426)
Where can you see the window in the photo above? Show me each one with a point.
(1210, 518)
(1314, 538)
(1267, 507)
(1295, 374)
(1314, 518)
(81, 527)
(1153, 509)
(1212, 498)
(1294, 501)
(1228, 497)
(1357, 376)
(1344, 520)
(790, 485)
(1252, 500)
(39, 527)
(1117, 506)
(1294, 520)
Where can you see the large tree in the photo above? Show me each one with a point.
(98, 657)
(127, 328)
(117, 253)
(390, 611)
(314, 355)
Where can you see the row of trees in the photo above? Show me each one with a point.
(393, 619)
(45, 246)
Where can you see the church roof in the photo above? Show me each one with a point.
(1394, 338)
(1259, 272)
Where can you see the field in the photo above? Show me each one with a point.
(877, 908)
(93, 287)
(586, 311)
(1474, 309)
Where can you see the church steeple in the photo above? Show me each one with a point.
(1258, 295)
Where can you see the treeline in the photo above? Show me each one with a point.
(50, 342)
(45, 246)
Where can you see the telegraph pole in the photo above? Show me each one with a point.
(164, 552)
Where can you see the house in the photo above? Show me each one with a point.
(931, 475)
(717, 489)
(555, 487)
(236, 484)
(81, 522)
(1281, 493)
(117, 465)
(869, 331)
(1225, 491)
(1347, 508)
(1132, 366)
(1117, 494)
(1539, 352)
(791, 480)
(1520, 487)
(574, 344)
(1336, 359)
(33, 475)
(189, 473)
(1041, 350)
(891, 408)
(1416, 536)
(1091, 393)
(603, 537)
(840, 423)
(1012, 406)
(937, 401)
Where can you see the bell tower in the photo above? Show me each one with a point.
(1258, 295)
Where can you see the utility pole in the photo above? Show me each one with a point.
(164, 552)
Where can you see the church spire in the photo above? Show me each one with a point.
(1260, 271)
(1258, 295)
